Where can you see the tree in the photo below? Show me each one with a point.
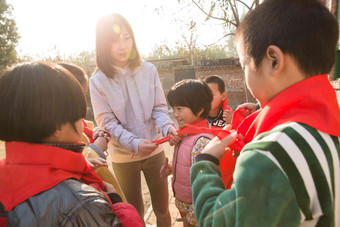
(85, 59)
(190, 39)
(215, 52)
(160, 51)
(8, 36)
(229, 12)
(182, 51)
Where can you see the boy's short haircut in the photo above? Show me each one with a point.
(216, 80)
(304, 29)
(77, 71)
(194, 94)
(36, 99)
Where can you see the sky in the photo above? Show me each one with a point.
(69, 25)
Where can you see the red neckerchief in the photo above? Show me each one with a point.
(201, 126)
(312, 102)
(29, 169)
(88, 132)
(239, 115)
(197, 127)
(198, 123)
(224, 105)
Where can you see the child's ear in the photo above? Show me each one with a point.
(275, 57)
(224, 95)
(58, 132)
(200, 113)
(55, 137)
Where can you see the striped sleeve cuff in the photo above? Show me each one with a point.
(115, 198)
(207, 157)
(97, 150)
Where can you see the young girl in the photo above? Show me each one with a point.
(43, 175)
(191, 102)
(129, 102)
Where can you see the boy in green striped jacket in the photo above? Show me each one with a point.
(288, 172)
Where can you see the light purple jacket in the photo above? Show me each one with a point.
(132, 107)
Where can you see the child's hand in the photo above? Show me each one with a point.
(228, 116)
(184, 220)
(96, 162)
(102, 143)
(251, 107)
(217, 147)
(227, 127)
(165, 169)
(146, 147)
(109, 188)
(101, 133)
(174, 138)
(180, 220)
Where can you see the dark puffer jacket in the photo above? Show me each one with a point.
(70, 203)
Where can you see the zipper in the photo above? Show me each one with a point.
(174, 173)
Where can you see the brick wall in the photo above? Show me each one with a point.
(229, 69)
(233, 77)
(167, 79)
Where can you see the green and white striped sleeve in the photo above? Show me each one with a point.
(286, 177)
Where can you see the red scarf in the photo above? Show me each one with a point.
(224, 105)
(88, 132)
(29, 169)
(201, 126)
(197, 127)
(311, 101)
(238, 117)
(198, 123)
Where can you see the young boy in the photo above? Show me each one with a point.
(45, 180)
(220, 114)
(288, 174)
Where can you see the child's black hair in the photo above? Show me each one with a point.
(78, 72)
(194, 94)
(214, 79)
(36, 99)
(304, 29)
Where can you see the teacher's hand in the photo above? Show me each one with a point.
(146, 147)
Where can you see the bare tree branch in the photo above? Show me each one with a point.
(234, 13)
(228, 34)
(207, 14)
(245, 4)
(237, 14)
(182, 8)
(213, 17)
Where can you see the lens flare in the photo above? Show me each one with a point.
(133, 54)
(116, 29)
